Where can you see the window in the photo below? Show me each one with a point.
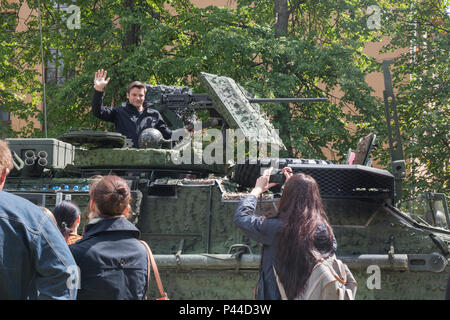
(5, 116)
(55, 72)
(429, 209)
(8, 23)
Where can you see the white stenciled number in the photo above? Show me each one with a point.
(374, 20)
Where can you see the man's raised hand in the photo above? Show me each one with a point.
(100, 80)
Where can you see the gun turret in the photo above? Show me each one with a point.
(178, 104)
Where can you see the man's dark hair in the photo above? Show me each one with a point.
(136, 84)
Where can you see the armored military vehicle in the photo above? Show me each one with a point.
(184, 201)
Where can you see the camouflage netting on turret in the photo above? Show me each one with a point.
(232, 103)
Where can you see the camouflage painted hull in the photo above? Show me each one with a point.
(202, 255)
(192, 235)
(185, 210)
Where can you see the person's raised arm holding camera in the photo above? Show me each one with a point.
(263, 184)
(288, 239)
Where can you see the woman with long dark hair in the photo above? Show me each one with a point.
(112, 261)
(293, 240)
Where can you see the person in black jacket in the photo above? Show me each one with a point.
(131, 118)
(288, 239)
(113, 263)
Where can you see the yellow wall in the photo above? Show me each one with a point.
(24, 14)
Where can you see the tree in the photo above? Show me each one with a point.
(421, 78)
(304, 49)
(109, 37)
(280, 48)
(18, 79)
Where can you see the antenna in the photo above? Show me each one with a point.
(393, 130)
(44, 104)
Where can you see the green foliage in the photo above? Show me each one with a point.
(17, 77)
(421, 80)
(316, 56)
(171, 42)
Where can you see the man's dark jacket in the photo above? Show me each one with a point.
(128, 120)
(112, 261)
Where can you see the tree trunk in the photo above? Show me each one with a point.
(132, 37)
(281, 18)
(281, 11)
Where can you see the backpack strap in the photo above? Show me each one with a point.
(280, 285)
(307, 294)
(342, 276)
(151, 262)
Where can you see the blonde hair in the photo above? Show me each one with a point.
(49, 214)
(6, 161)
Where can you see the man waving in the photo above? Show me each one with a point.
(130, 118)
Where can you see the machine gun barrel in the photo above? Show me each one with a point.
(264, 100)
(194, 101)
(199, 101)
(203, 101)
